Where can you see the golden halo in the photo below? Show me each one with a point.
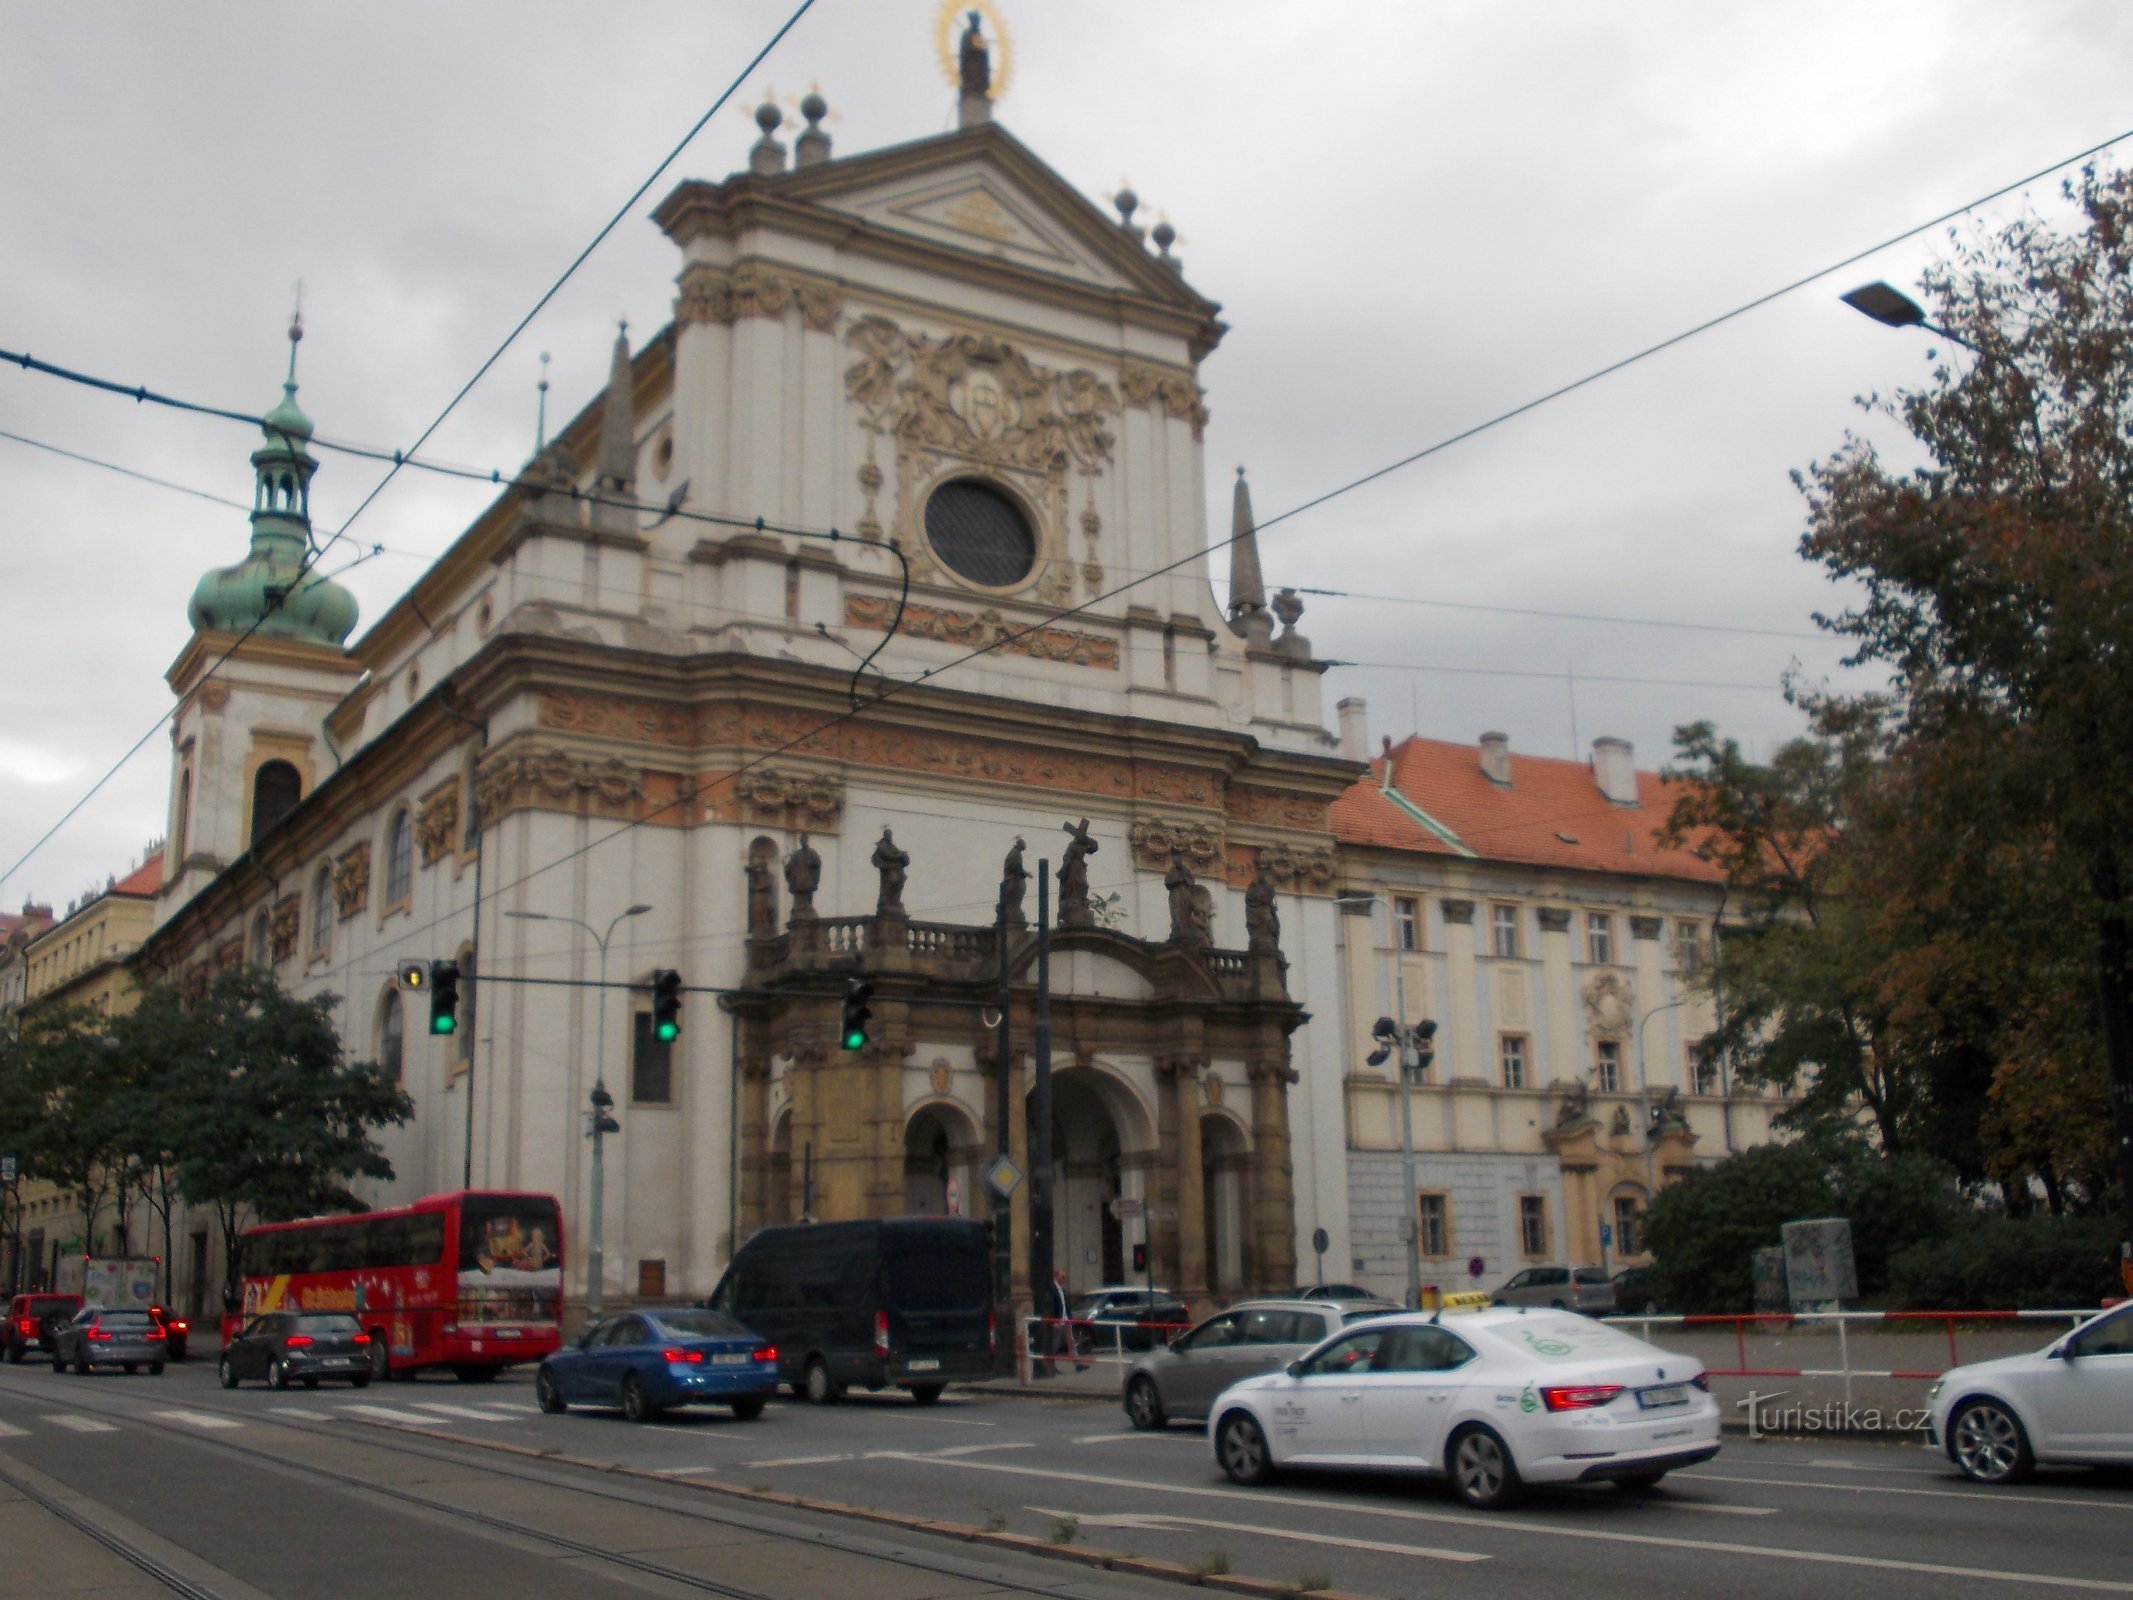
(946, 42)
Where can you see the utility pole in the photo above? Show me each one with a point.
(1040, 1134)
(1003, 1211)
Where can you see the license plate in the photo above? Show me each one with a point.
(505, 1333)
(925, 1364)
(738, 1358)
(1672, 1394)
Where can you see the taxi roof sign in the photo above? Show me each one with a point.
(1466, 1300)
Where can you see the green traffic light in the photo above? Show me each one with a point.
(668, 1032)
(444, 1024)
(855, 1040)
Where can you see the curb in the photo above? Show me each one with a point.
(1020, 1543)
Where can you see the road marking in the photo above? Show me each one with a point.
(1134, 1438)
(1161, 1523)
(9, 1431)
(1488, 1521)
(950, 1453)
(504, 1406)
(1975, 1496)
(445, 1409)
(970, 1449)
(1861, 1466)
(682, 1472)
(301, 1414)
(810, 1461)
(388, 1414)
(198, 1419)
(82, 1424)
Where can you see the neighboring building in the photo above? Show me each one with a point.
(1524, 904)
(619, 689)
(16, 932)
(17, 1264)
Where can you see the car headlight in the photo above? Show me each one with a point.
(1933, 1390)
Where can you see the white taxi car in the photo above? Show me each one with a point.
(1493, 1399)
(2069, 1403)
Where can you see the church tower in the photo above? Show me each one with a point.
(264, 666)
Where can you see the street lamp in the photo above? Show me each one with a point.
(601, 1122)
(1417, 1046)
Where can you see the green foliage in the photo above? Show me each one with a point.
(2010, 1263)
(1703, 1231)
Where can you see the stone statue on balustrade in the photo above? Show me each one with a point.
(890, 862)
(1014, 880)
(803, 876)
(762, 898)
(1262, 923)
(1074, 910)
(1190, 905)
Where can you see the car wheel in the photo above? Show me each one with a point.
(155, 1369)
(380, 1356)
(14, 1352)
(361, 1380)
(277, 1374)
(748, 1410)
(1144, 1407)
(821, 1388)
(1988, 1443)
(1482, 1470)
(225, 1374)
(1556, 1305)
(1241, 1448)
(926, 1394)
(548, 1394)
(636, 1404)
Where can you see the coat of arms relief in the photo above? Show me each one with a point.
(968, 401)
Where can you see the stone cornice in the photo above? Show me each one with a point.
(206, 650)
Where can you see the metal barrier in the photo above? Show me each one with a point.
(1053, 1342)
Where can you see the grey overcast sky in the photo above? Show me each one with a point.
(1416, 213)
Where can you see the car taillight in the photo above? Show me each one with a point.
(154, 1332)
(1578, 1396)
(98, 1335)
(296, 1341)
(881, 1333)
(177, 1325)
(769, 1352)
(694, 1358)
(361, 1338)
(1702, 1380)
(28, 1324)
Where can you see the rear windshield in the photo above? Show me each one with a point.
(1365, 1313)
(1590, 1275)
(332, 1323)
(921, 1279)
(123, 1319)
(701, 1324)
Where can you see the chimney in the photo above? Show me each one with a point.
(1614, 768)
(1355, 728)
(1496, 758)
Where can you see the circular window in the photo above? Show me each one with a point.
(979, 534)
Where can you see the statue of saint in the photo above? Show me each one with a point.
(890, 863)
(1262, 923)
(974, 60)
(1575, 1107)
(1014, 879)
(1074, 909)
(762, 898)
(803, 875)
(1183, 914)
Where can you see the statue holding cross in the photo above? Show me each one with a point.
(1074, 909)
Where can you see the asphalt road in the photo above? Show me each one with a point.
(1767, 1518)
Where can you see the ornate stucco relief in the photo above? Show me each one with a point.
(801, 801)
(281, 932)
(1299, 869)
(1171, 393)
(1197, 842)
(986, 627)
(750, 289)
(437, 822)
(554, 779)
(1609, 1004)
(351, 881)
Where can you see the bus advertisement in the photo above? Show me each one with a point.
(470, 1281)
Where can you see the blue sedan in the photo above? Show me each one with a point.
(646, 1361)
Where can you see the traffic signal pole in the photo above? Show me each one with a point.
(1003, 1214)
(1040, 1111)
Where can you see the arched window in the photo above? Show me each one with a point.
(184, 824)
(322, 912)
(276, 787)
(260, 946)
(391, 1035)
(399, 859)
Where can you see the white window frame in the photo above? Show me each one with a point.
(1504, 930)
(1406, 922)
(1607, 1066)
(1600, 938)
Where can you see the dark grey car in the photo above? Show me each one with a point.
(286, 1347)
(1183, 1378)
(100, 1338)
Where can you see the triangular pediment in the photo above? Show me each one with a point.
(973, 209)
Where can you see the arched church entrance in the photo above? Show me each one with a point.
(943, 1147)
(1102, 1143)
(1225, 1161)
(777, 1188)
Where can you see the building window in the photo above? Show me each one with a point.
(1629, 1226)
(391, 1036)
(276, 787)
(1433, 1216)
(1703, 1072)
(1533, 1224)
(261, 949)
(1407, 922)
(651, 1065)
(1607, 1066)
(184, 824)
(1599, 938)
(399, 859)
(1688, 946)
(652, 1279)
(322, 912)
(979, 533)
(1503, 922)
(1511, 1050)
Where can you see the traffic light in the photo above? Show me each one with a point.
(854, 1033)
(412, 976)
(444, 996)
(1140, 1258)
(666, 1005)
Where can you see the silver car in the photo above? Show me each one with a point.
(100, 1338)
(1255, 1336)
(1586, 1289)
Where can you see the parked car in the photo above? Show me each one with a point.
(1350, 1292)
(1585, 1289)
(286, 1347)
(1634, 1296)
(646, 1361)
(1493, 1399)
(903, 1302)
(177, 1332)
(34, 1321)
(2070, 1403)
(98, 1337)
(1122, 1316)
(1182, 1378)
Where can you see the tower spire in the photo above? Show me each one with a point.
(618, 422)
(1247, 589)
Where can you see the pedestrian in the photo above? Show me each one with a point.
(1058, 1331)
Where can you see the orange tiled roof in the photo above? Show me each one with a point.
(146, 878)
(1552, 814)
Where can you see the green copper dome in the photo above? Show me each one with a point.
(269, 592)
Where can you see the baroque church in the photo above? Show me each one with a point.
(874, 587)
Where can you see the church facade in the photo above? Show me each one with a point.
(873, 581)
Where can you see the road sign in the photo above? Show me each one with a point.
(1162, 1213)
(1126, 1207)
(1475, 1266)
(1003, 1177)
(1607, 1234)
(1320, 1239)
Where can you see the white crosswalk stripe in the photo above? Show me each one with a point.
(82, 1424)
(505, 1406)
(8, 1431)
(199, 1419)
(388, 1414)
(465, 1413)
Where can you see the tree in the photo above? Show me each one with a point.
(268, 1119)
(1703, 1231)
(1998, 578)
(69, 1072)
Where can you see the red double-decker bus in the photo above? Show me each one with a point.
(471, 1281)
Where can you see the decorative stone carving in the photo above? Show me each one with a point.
(891, 863)
(351, 881)
(1262, 922)
(1274, 809)
(1172, 393)
(1185, 925)
(1299, 869)
(1158, 839)
(1213, 1087)
(984, 628)
(1457, 910)
(1014, 882)
(1645, 927)
(1074, 908)
(751, 289)
(213, 695)
(1619, 1127)
(609, 716)
(1668, 1114)
(511, 778)
(1575, 1108)
(803, 801)
(762, 891)
(437, 823)
(282, 931)
(803, 875)
(1553, 919)
(229, 955)
(1610, 1004)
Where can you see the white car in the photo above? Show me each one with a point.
(2071, 1403)
(1492, 1399)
